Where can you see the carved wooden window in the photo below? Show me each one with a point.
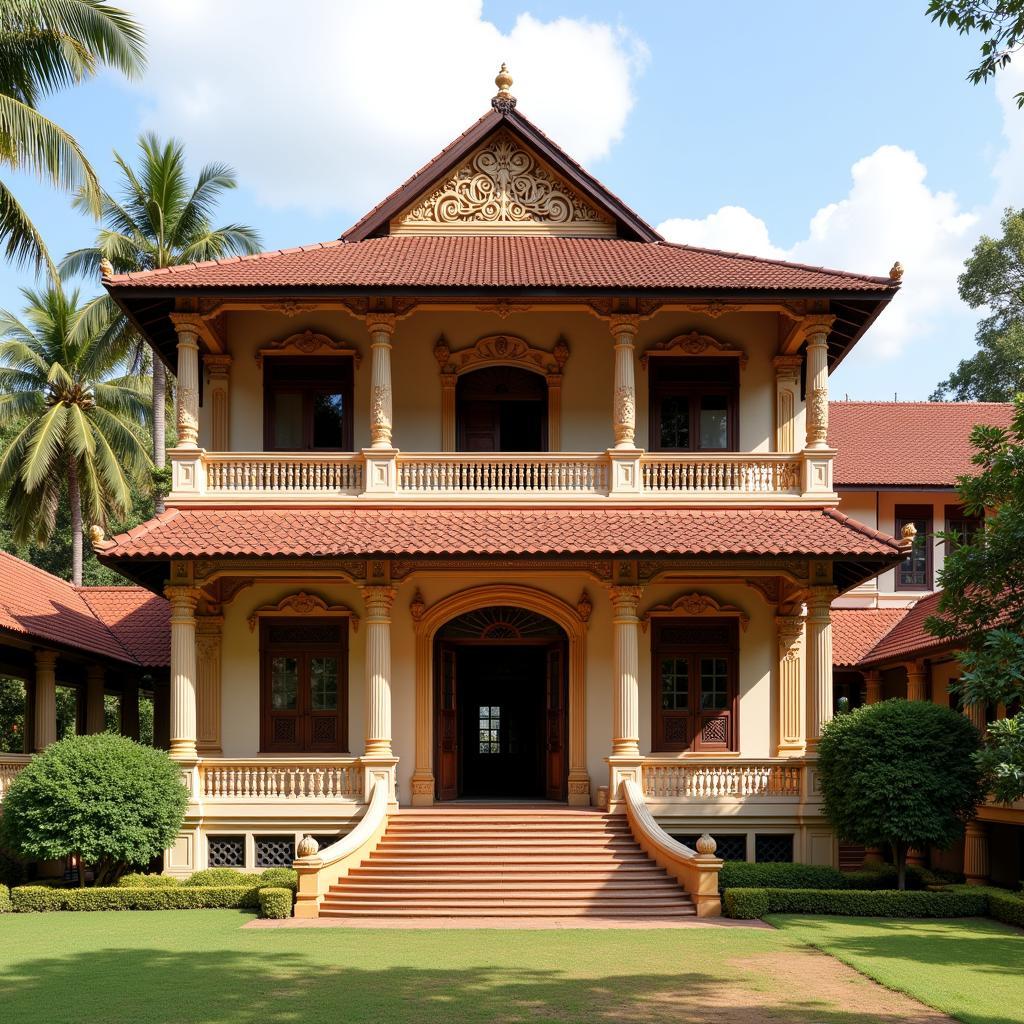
(961, 525)
(304, 686)
(694, 666)
(915, 571)
(693, 404)
(307, 404)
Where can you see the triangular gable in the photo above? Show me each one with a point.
(478, 184)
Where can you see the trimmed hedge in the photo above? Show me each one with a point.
(286, 878)
(279, 878)
(36, 898)
(742, 874)
(751, 903)
(275, 902)
(140, 881)
(5, 900)
(1006, 907)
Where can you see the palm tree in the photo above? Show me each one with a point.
(46, 45)
(161, 221)
(80, 417)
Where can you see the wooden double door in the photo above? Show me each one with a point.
(501, 721)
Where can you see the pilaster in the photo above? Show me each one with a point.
(218, 374)
(208, 684)
(819, 661)
(787, 395)
(792, 717)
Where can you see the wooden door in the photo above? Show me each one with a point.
(447, 728)
(480, 427)
(555, 724)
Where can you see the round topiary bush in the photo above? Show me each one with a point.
(900, 774)
(112, 802)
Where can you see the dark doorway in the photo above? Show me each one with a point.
(501, 409)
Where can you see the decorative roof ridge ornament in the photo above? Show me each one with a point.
(896, 272)
(503, 101)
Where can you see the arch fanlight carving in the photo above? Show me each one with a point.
(299, 604)
(500, 623)
(309, 343)
(694, 344)
(695, 604)
(502, 350)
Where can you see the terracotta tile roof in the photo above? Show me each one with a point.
(37, 605)
(855, 631)
(907, 444)
(140, 621)
(501, 261)
(204, 532)
(908, 638)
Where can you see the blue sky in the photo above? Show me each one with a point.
(736, 126)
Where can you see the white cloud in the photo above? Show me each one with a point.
(328, 104)
(889, 213)
(1009, 167)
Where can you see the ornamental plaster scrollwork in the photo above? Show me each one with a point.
(503, 186)
(308, 343)
(694, 344)
(696, 604)
(817, 429)
(300, 604)
(501, 350)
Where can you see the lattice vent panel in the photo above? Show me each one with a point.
(275, 851)
(226, 852)
(771, 848)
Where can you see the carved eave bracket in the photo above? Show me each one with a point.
(694, 344)
(302, 604)
(502, 350)
(208, 328)
(309, 343)
(695, 604)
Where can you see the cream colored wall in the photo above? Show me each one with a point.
(240, 667)
(587, 383)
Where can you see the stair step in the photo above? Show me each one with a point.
(479, 872)
(525, 903)
(508, 912)
(491, 886)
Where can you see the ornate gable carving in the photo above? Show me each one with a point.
(696, 604)
(503, 188)
(300, 604)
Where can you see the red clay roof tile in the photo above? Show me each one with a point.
(140, 621)
(855, 631)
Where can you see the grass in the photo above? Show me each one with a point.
(971, 969)
(202, 966)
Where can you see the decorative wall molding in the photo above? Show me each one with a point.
(503, 187)
(694, 344)
(695, 604)
(300, 604)
(308, 343)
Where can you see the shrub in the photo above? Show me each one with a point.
(279, 878)
(747, 903)
(275, 902)
(5, 900)
(743, 874)
(1005, 906)
(140, 881)
(28, 898)
(219, 876)
(104, 798)
(900, 774)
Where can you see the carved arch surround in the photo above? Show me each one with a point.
(530, 599)
(694, 604)
(694, 343)
(501, 350)
(308, 343)
(301, 604)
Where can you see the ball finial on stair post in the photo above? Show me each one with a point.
(706, 845)
(503, 101)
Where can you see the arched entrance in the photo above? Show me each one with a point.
(500, 699)
(501, 409)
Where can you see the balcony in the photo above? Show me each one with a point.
(439, 477)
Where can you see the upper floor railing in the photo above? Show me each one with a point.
(713, 477)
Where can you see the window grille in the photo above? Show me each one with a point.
(226, 852)
(275, 851)
(772, 848)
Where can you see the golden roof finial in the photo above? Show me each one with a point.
(106, 267)
(504, 101)
(896, 274)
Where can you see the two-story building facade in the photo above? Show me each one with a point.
(500, 497)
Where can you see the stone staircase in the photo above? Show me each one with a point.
(507, 861)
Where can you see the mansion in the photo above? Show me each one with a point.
(508, 541)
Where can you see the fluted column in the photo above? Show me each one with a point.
(975, 853)
(819, 660)
(46, 699)
(95, 680)
(977, 713)
(872, 686)
(792, 719)
(378, 601)
(817, 380)
(183, 671)
(624, 331)
(382, 328)
(188, 379)
(626, 669)
(218, 369)
(917, 680)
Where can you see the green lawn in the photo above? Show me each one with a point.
(202, 966)
(972, 969)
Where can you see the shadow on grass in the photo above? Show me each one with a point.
(142, 985)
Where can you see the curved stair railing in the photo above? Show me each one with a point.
(695, 870)
(319, 869)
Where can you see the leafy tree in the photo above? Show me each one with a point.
(112, 802)
(161, 220)
(47, 45)
(12, 715)
(1000, 21)
(993, 278)
(1002, 758)
(61, 372)
(900, 774)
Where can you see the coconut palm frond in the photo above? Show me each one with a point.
(44, 446)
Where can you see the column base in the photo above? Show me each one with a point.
(422, 789)
(375, 768)
(627, 477)
(622, 769)
(381, 469)
(579, 788)
(791, 750)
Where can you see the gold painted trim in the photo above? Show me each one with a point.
(301, 604)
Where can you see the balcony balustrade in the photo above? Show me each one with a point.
(671, 780)
(335, 779)
(10, 765)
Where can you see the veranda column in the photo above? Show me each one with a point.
(188, 380)
(917, 680)
(378, 602)
(381, 328)
(624, 331)
(46, 699)
(792, 719)
(975, 853)
(130, 712)
(95, 680)
(977, 714)
(872, 686)
(819, 660)
(626, 668)
(183, 671)
(817, 381)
